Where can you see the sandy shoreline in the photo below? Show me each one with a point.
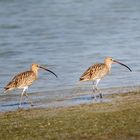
(117, 119)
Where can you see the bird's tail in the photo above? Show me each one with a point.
(6, 89)
(82, 79)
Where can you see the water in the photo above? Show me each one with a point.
(68, 36)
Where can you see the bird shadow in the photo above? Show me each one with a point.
(83, 98)
(14, 104)
(87, 99)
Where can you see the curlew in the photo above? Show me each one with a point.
(24, 80)
(98, 71)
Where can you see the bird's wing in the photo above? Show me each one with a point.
(91, 72)
(19, 79)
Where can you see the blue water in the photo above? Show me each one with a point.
(68, 36)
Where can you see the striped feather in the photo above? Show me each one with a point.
(96, 71)
(21, 80)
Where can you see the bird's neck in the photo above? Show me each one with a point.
(108, 66)
(35, 71)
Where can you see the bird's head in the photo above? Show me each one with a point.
(109, 61)
(36, 67)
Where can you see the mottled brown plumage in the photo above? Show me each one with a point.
(25, 79)
(94, 72)
(99, 70)
(21, 80)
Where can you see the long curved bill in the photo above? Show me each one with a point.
(122, 64)
(48, 70)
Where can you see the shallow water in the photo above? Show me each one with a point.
(68, 36)
(61, 98)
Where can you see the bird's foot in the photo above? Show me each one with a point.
(32, 105)
(94, 97)
(100, 95)
(19, 106)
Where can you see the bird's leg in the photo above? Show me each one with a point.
(97, 89)
(100, 93)
(21, 97)
(29, 99)
(94, 90)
